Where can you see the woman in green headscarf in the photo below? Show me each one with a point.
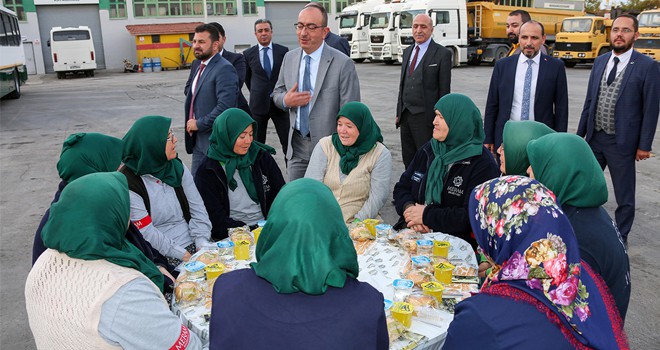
(432, 194)
(579, 184)
(354, 163)
(108, 285)
(513, 150)
(239, 178)
(302, 293)
(165, 204)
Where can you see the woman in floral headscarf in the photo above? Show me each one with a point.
(354, 163)
(539, 294)
(432, 194)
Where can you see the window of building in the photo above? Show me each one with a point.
(340, 4)
(222, 7)
(117, 8)
(167, 8)
(249, 7)
(16, 6)
(155, 39)
(325, 3)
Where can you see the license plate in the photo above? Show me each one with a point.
(567, 56)
(74, 67)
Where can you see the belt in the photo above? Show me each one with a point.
(296, 131)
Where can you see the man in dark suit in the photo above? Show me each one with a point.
(620, 114)
(425, 77)
(526, 86)
(236, 59)
(213, 89)
(263, 67)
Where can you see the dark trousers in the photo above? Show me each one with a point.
(416, 130)
(280, 119)
(622, 171)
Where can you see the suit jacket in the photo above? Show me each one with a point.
(336, 84)
(338, 43)
(257, 81)
(436, 77)
(217, 90)
(550, 100)
(238, 61)
(636, 110)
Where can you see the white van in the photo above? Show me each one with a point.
(72, 50)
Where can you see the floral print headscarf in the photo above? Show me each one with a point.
(524, 233)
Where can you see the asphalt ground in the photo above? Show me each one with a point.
(33, 128)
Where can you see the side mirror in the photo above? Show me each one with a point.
(602, 28)
(48, 43)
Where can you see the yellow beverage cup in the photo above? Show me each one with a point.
(371, 225)
(257, 232)
(441, 248)
(443, 272)
(433, 289)
(214, 270)
(402, 312)
(242, 250)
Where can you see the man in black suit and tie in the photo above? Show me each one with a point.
(213, 89)
(263, 67)
(526, 86)
(425, 77)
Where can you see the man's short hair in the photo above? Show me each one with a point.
(218, 26)
(262, 20)
(634, 19)
(319, 7)
(535, 22)
(213, 31)
(524, 15)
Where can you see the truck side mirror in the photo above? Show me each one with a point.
(48, 43)
(602, 28)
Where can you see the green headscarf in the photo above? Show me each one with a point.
(464, 140)
(226, 129)
(515, 138)
(144, 150)
(90, 220)
(87, 153)
(566, 165)
(359, 114)
(305, 246)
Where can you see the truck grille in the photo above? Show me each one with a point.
(407, 40)
(348, 36)
(581, 47)
(377, 39)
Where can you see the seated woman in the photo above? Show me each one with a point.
(433, 193)
(165, 204)
(539, 295)
(108, 295)
(581, 198)
(302, 293)
(516, 136)
(239, 178)
(354, 163)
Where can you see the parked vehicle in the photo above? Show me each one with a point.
(354, 27)
(582, 39)
(648, 42)
(384, 34)
(13, 72)
(72, 51)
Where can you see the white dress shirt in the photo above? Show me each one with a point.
(519, 84)
(422, 50)
(313, 70)
(270, 54)
(624, 58)
(197, 75)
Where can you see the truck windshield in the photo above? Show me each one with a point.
(582, 25)
(347, 21)
(647, 43)
(70, 35)
(379, 20)
(407, 18)
(649, 19)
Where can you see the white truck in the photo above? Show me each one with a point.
(354, 27)
(72, 51)
(450, 29)
(383, 33)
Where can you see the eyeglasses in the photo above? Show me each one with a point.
(310, 27)
(622, 30)
(170, 136)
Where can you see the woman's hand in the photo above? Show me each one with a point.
(413, 215)
(186, 256)
(421, 228)
(483, 268)
(166, 273)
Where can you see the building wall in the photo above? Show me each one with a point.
(30, 33)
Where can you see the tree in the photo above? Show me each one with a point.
(592, 6)
(637, 6)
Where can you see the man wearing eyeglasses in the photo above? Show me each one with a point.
(620, 114)
(315, 81)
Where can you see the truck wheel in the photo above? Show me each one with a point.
(59, 75)
(570, 64)
(86, 73)
(17, 88)
(358, 60)
(91, 73)
(389, 62)
(603, 50)
(500, 54)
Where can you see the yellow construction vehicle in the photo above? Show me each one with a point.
(648, 42)
(582, 39)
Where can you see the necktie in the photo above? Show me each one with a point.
(527, 89)
(194, 91)
(411, 69)
(304, 110)
(612, 76)
(267, 68)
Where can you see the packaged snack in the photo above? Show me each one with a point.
(371, 225)
(359, 232)
(194, 270)
(383, 231)
(424, 247)
(402, 312)
(208, 257)
(240, 234)
(225, 248)
(187, 292)
(419, 300)
(402, 288)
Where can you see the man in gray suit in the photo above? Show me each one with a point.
(314, 82)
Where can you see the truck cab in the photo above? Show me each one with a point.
(648, 42)
(582, 39)
(354, 27)
(384, 34)
(72, 51)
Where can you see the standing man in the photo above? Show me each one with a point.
(513, 23)
(425, 77)
(620, 114)
(263, 67)
(213, 89)
(314, 82)
(538, 91)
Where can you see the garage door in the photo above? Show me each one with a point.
(283, 15)
(70, 16)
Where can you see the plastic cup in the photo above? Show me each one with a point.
(402, 312)
(242, 250)
(402, 288)
(443, 272)
(424, 247)
(441, 248)
(214, 270)
(257, 232)
(371, 225)
(433, 289)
